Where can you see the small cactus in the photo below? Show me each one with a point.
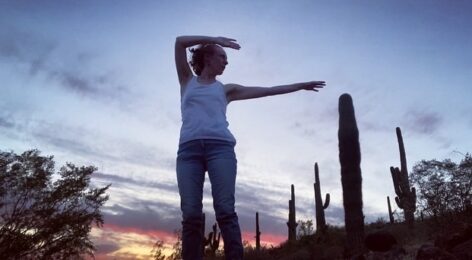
(258, 233)
(390, 213)
(320, 207)
(292, 223)
(212, 241)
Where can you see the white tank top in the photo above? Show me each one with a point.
(203, 109)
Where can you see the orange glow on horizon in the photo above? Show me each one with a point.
(132, 243)
(156, 234)
(266, 239)
(136, 243)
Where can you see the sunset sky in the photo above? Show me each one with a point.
(94, 83)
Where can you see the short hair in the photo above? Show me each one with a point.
(198, 56)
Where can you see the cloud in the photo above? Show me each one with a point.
(37, 53)
(109, 178)
(423, 122)
(312, 123)
(149, 214)
(84, 142)
(335, 215)
(133, 243)
(6, 122)
(103, 249)
(137, 212)
(16, 46)
(144, 217)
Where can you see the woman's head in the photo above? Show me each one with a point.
(209, 56)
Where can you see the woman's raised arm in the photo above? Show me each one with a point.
(183, 42)
(238, 92)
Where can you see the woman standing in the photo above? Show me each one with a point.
(206, 144)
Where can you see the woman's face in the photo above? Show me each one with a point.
(218, 61)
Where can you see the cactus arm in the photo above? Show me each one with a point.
(326, 204)
(396, 179)
(399, 202)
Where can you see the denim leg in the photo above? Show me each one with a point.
(222, 172)
(190, 178)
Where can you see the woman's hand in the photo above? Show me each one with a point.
(227, 42)
(312, 85)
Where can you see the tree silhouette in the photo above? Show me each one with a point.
(157, 252)
(45, 219)
(445, 187)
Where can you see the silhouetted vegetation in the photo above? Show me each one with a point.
(44, 215)
(444, 187)
(212, 242)
(157, 252)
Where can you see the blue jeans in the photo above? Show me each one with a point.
(217, 157)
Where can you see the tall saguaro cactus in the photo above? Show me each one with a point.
(390, 213)
(320, 216)
(351, 178)
(406, 196)
(292, 222)
(258, 233)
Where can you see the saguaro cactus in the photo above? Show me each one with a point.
(351, 178)
(292, 223)
(320, 216)
(258, 233)
(390, 213)
(406, 197)
(213, 241)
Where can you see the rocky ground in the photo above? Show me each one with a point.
(446, 238)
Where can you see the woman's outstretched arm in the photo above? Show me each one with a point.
(238, 92)
(183, 42)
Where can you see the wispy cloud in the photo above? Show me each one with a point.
(83, 142)
(38, 54)
(151, 214)
(334, 215)
(132, 243)
(6, 121)
(110, 178)
(106, 248)
(16, 46)
(423, 122)
(143, 217)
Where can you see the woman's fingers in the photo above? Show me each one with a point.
(234, 45)
(228, 42)
(314, 85)
(229, 39)
(319, 84)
